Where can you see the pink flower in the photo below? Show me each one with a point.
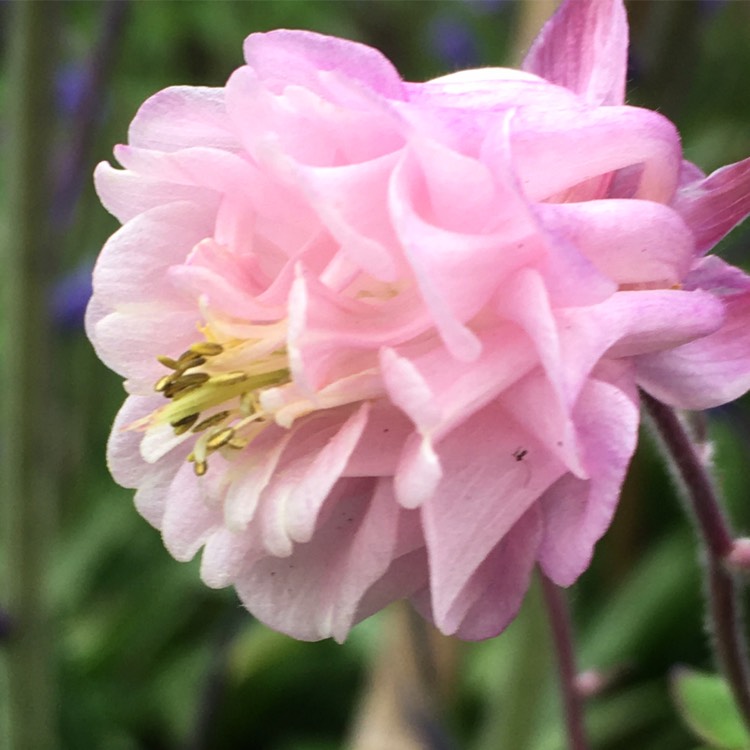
(396, 330)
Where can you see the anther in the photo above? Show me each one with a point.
(248, 402)
(183, 425)
(177, 393)
(206, 349)
(237, 443)
(230, 378)
(188, 360)
(211, 421)
(168, 362)
(191, 378)
(163, 383)
(200, 468)
(220, 438)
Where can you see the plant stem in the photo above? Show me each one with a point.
(724, 603)
(26, 440)
(562, 637)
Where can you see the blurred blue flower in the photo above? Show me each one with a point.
(70, 295)
(70, 88)
(453, 40)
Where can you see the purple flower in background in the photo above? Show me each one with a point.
(70, 296)
(70, 88)
(453, 40)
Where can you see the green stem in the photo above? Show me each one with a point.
(26, 448)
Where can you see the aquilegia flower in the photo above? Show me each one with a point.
(384, 339)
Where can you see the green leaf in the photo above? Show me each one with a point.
(706, 705)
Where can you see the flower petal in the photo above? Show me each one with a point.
(298, 57)
(183, 116)
(484, 491)
(631, 241)
(315, 592)
(707, 372)
(578, 511)
(714, 205)
(584, 47)
(493, 595)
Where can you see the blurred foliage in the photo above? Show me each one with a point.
(706, 705)
(149, 658)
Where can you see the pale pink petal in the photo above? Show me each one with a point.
(578, 511)
(123, 454)
(492, 89)
(224, 555)
(554, 151)
(141, 329)
(315, 592)
(629, 324)
(126, 195)
(188, 519)
(630, 241)
(250, 475)
(456, 273)
(183, 116)
(484, 491)
(707, 372)
(378, 451)
(570, 278)
(439, 392)
(584, 46)
(327, 331)
(314, 462)
(352, 202)
(714, 205)
(493, 595)
(536, 403)
(286, 57)
(147, 246)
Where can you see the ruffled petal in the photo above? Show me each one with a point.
(485, 490)
(578, 511)
(584, 47)
(316, 591)
(557, 150)
(714, 205)
(183, 116)
(630, 241)
(188, 519)
(126, 194)
(292, 501)
(708, 372)
(493, 595)
(285, 57)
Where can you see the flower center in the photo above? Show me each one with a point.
(213, 389)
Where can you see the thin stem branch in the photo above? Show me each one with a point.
(27, 502)
(562, 637)
(694, 476)
(724, 602)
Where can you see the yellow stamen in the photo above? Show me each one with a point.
(230, 378)
(232, 381)
(183, 425)
(211, 421)
(163, 382)
(206, 349)
(220, 438)
(188, 360)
